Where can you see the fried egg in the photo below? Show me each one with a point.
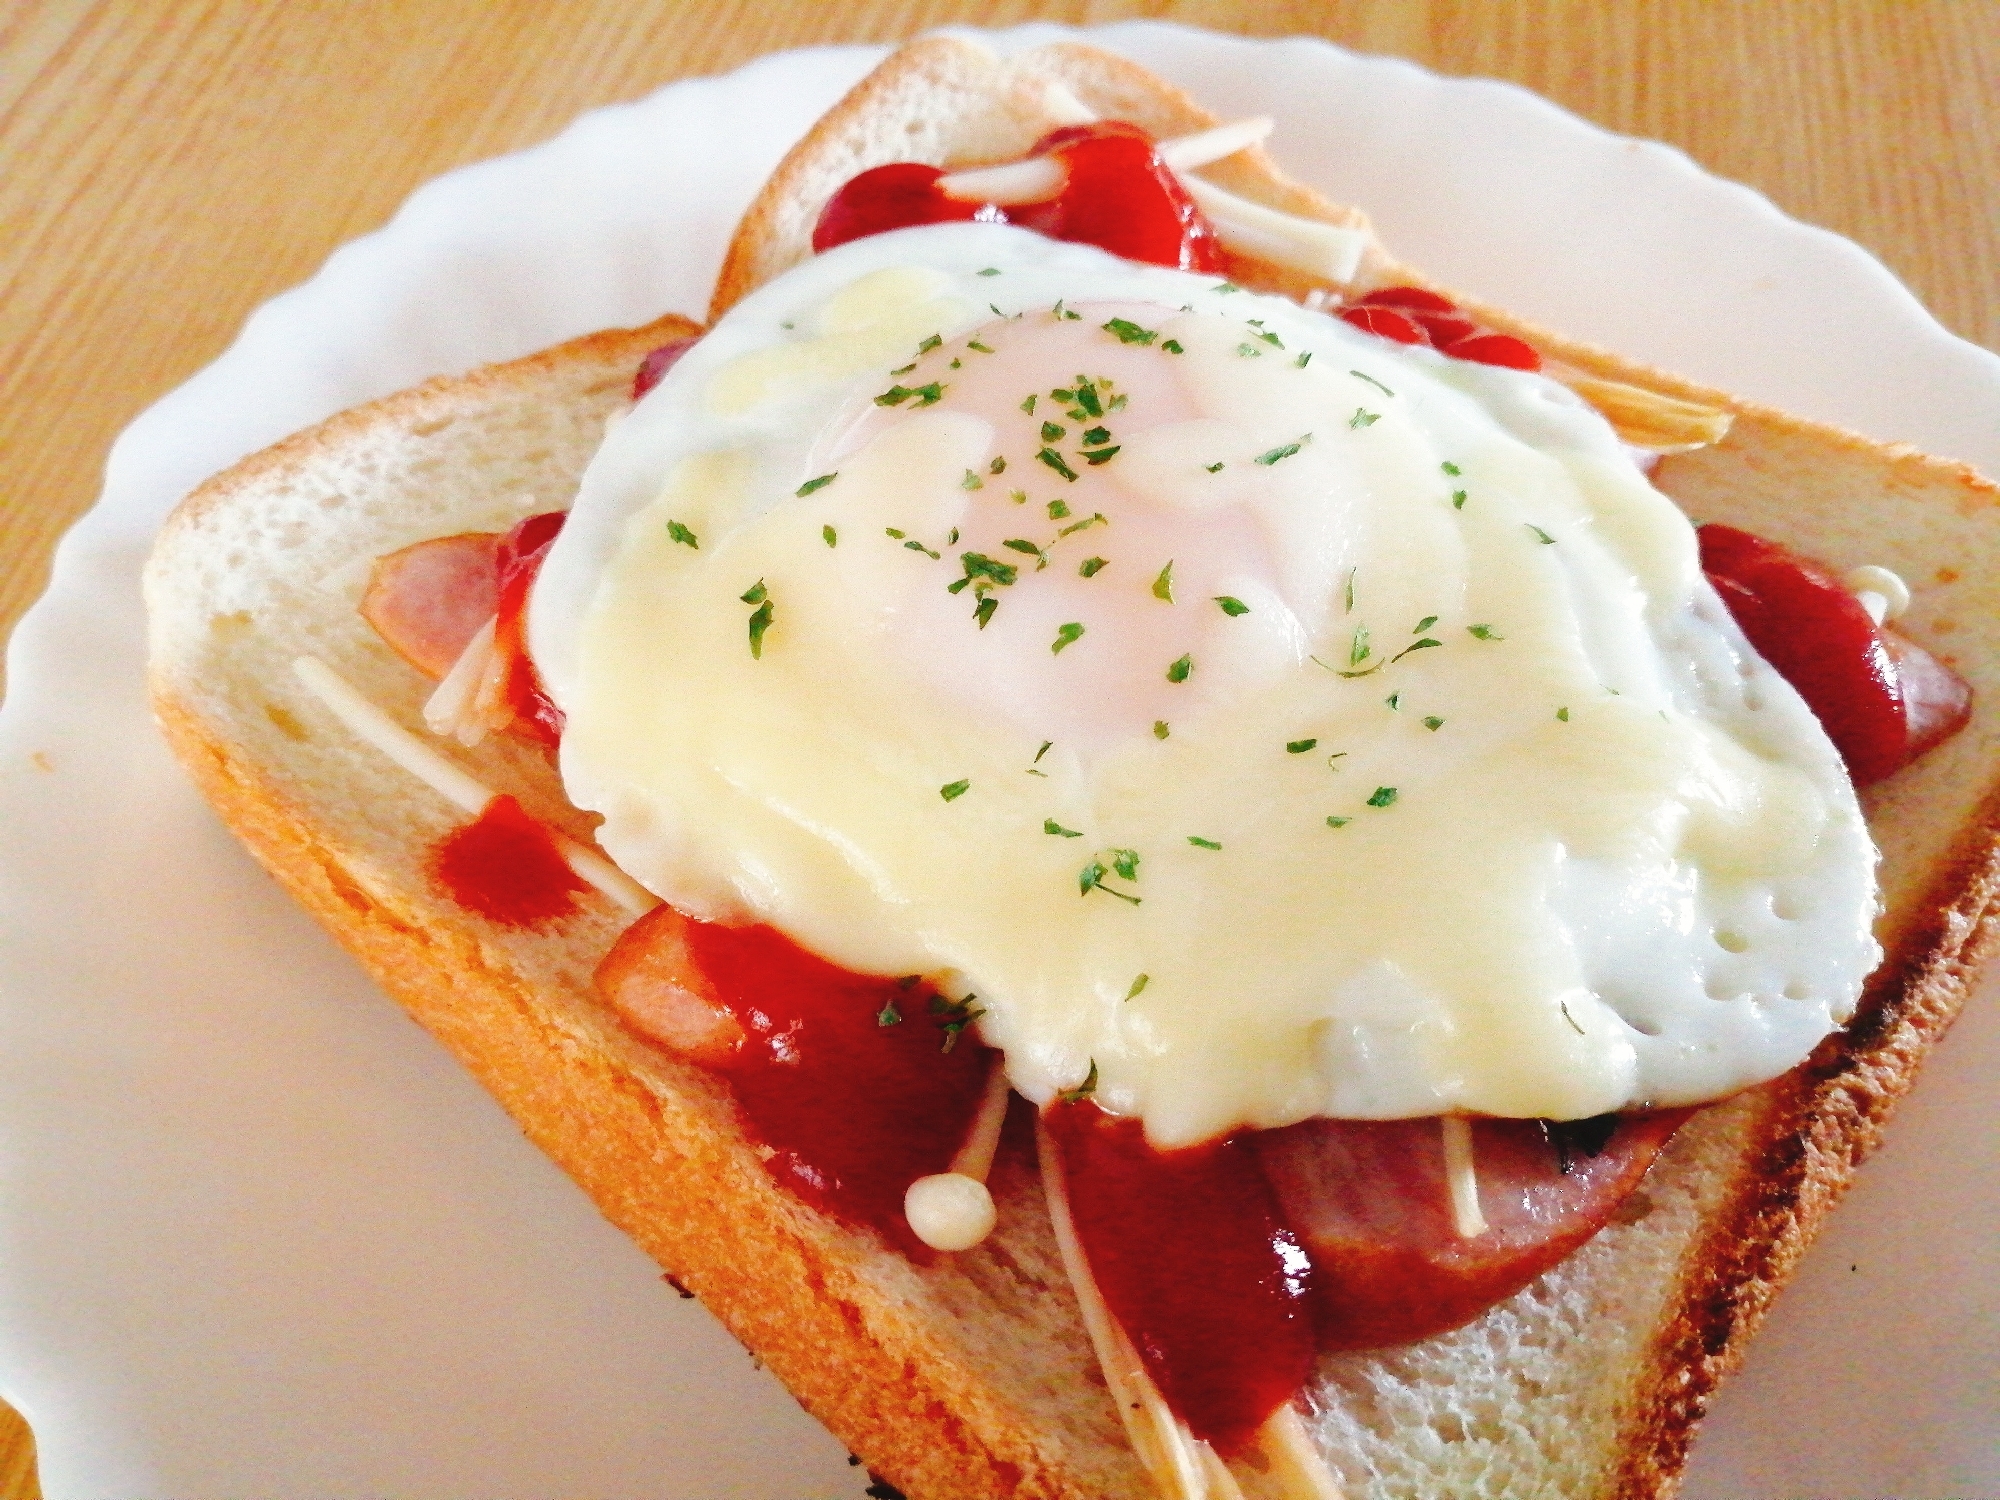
(1249, 718)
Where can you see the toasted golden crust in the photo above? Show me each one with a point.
(972, 1376)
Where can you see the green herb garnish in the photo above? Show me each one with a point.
(1433, 723)
(829, 536)
(1091, 878)
(1129, 332)
(1092, 566)
(1163, 586)
(1384, 795)
(1051, 826)
(1137, 985)
(1066, 635)
(816, 484)
(1484, 633)
(1540, 535)
(951, 791)
(679, 533)
(1299, 747)
(953, 1016)
(1232, 606)
(1364, 418)
(1201, 843)
(1178, 672)
(1083, 1090)
(1160, 729)
(1054, 460)
(978, 566)
(1267, 459)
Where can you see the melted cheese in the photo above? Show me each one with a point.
(1582, 851)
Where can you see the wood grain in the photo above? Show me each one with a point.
(166, 166)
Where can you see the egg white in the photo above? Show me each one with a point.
(1586, 851)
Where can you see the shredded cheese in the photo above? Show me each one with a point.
(370, 724)
(1462, 1176)
(449, 710)
(1063, 106)
(1329, 251)
(1647, 419)
(1204, 146)
(1882, 593)
(1035, 180)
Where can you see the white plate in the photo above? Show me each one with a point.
(258, 1235)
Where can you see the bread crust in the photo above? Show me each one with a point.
(840, 1319)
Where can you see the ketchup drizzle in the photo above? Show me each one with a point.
(1197, 1265)
(505, 866)
(519, 559)
(1118, 195)
(1882, 698)
(846, 1077)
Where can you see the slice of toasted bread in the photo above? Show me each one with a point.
(972, 1375)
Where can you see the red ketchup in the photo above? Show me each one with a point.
(1882, 699)
(1118, 195)
(518, 560)
(653, 368)
(506, 867)
(860, 1085)
(1197, 1265)
(897, 196)
(1417, 315)
(1370, 1201)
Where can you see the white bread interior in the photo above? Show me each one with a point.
(972, 1376)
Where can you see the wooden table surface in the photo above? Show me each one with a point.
(167, 165)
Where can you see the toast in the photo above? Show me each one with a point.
(973, 1375)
